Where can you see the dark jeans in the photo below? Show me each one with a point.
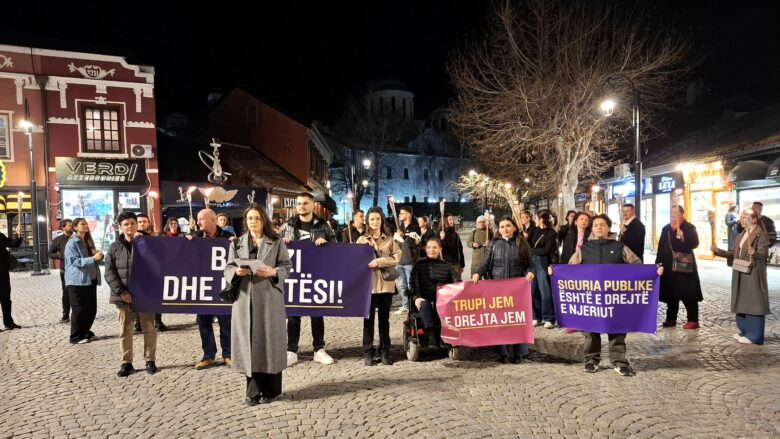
(5, 300)
(617, 348)
(294, 333)
(518, 350)
(381, 303)
(691, 307)
(65, 296)
(541, 294)
(263, 385)
(430, 316)
(83, 304)
(206, 328)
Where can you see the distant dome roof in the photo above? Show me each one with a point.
(387, 84)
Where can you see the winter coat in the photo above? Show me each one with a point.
(5, 266)
(410, 245)
(429, 274)
(477, 254)
(634, 237)
(570, 244)
(290, 230)
(355, 234)
(118, 259)
(258, 329)
(452, 249)
(544, 243)
(678, 286)
(57, 248)
(750, 292)
(604, 251)
(502, 260)
(388, 254)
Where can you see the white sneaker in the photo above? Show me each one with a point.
(736, 336)
(83, 341)
(322, 357)
(292, 358)
(744, 340)
(402, 310)
(549, 325)
(536, 322)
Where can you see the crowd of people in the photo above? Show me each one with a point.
(412, 260)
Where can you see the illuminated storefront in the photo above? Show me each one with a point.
(707, 197)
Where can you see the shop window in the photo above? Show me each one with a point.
(97, 207)
(5, 136)
(100, 130)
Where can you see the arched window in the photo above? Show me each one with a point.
(389, 173)
(406, 173)
(441, 175)
(425, 174)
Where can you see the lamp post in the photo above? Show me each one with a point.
(27, 126)
(608, 108)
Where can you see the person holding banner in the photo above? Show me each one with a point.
(355, 229)
(427, 275)
(118, 266)
(544, 245)
(507, 255)
(259, 348)
(388, 255)
(600, 249)
(306, 226)
(207, 222)
(82, 277)
(749, 289)
(679, 238)
(452, 251)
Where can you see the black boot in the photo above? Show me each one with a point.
(368, 359)
(386, 359)
(434, 338)
(158, 323)
(138, 325)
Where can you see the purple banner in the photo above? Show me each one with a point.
(606, 298)
(176, 275)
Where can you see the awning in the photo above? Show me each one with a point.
(749, 170)
(10, 203)
(774, 169)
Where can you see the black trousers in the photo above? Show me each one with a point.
(294, 333)
(617, 348)
(65, 296)
(691, 307)
(5, 298)
(379, 303)
(83, 304)
(264, 385)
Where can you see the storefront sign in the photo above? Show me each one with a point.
(3, 174)
(73, 171)
(666, 184)
(289, 202)
(626, 189)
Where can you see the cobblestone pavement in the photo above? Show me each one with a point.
(692, 384)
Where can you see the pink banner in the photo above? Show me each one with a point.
(491, 312)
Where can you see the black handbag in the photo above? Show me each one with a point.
(230, 293)
(681, 262)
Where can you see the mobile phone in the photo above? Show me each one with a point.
(246, 267)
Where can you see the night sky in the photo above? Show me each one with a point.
(311, 57)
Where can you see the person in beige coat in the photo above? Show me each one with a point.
(749, 291)
(388, 255)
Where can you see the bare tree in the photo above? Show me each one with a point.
(527, 96)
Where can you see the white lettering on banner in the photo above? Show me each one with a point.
(188, 288)
(320, 291)
(295, 260)
(218, 261)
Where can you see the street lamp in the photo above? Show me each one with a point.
(607, 109)
(27, 126)
(366, 164)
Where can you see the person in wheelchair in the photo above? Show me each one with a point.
(428, 274)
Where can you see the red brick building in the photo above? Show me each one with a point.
(94, 137)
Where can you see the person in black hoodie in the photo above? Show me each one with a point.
(452, 247)
(544, 245)
(57, 252)
(601, 250)
(632, 231)
(428, 274)
(118, 266)
(507, 256)
(408, 238)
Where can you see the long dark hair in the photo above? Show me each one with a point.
(268, 228)
(571, 212)
(523, 248)
(90, 243)
(546, 218)
(384, 228)
(167, 228)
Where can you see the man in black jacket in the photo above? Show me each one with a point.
(769, 225)
(355, 229)
(57, 252)
(408, 238)
(306, 226)
(632, 231)
(5, 279)
(118, 266)
(207, 222)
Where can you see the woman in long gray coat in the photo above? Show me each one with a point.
(749, 292)
(258, 333)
